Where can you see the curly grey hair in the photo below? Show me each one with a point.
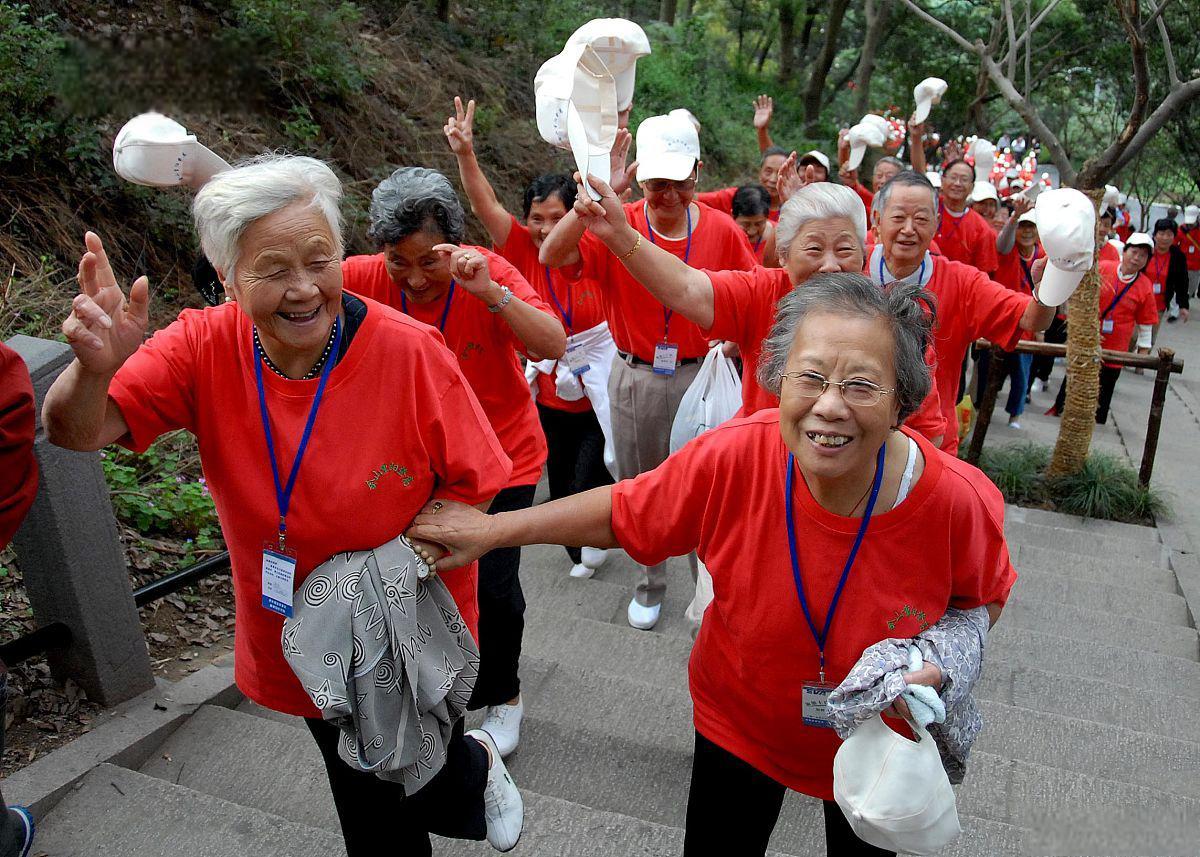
(232, 200)
(415, 199)
(909, 310)
(818, 201)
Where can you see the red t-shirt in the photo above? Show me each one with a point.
(634, 316)
(1110, 253)
(1136, 306)
(1016, 273)
(398, 423)
(967, 239)
(568, 293)
(969, 306)
(486, 348)
(744, 304)
(18, 465)
(1188, 239)
(865, 195)
(722, 200)
(723, 496)
(1156, 271)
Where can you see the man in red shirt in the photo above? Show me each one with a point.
(1188, 240)
(969, 305)
(885, 169)
(1167, 270)
(962, 233)
(658, 352)
(768, 174)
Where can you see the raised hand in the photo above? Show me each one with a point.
(790, 180)
(469, 268)
(764, 106)
(604, 219)
(103, 328)
(622, 175)
(843, 145)
(463, 531)
(1020, 204)
(460, 128)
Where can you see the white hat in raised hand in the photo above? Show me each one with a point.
(984, 153)
(928, 93)
(1112, 197)
(861, 136)
(1066, 222)
(576, 101)
(156, 151)
(619, 44)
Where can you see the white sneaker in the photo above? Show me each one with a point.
(503, 808)
(1037, 385)
(1014, 423)
(581, 571)
(503, 724)
(593, 558)
(642, 617)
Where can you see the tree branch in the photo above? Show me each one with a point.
(961, 41)
(1156, 16)
(1012, 40)
(1037, 22)
(1172, 73)
(1170, 105)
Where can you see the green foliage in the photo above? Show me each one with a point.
(301, 130)
(28, 48)
(1106, 488)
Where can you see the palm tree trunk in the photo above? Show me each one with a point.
(1083, 371)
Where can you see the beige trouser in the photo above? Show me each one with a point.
(643, 406)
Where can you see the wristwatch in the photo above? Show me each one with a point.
(503, 302)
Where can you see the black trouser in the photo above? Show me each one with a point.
(12, 831)
(501, 612)
(377, 817)
(1108, 383)
(576, 459)
(732, 809)
(1042, 366)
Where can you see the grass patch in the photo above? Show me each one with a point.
(1106, 488)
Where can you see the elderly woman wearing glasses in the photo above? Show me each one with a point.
(787, 509)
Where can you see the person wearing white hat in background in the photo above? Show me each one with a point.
(658, 351)
(970, 305)
(1188, 240)
(768, 174)
(985, 202)
(575, 429)
(775, 503)
(1128, 314)
(764, 106)
(1018, 251)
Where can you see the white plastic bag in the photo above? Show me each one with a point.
(714, 396)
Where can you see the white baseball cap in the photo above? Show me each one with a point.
(1140, 239)
(984, 154)
(1066, 221)
(1112, 197)
(1191, 214)
(928, 93)
(668, 147)
(619, 44)
(1028, 217)
(814, 155)
(862, 135)
(894, 791)
(982, 191)
(576, 102)
(154, 150)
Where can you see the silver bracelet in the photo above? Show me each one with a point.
(503, 302)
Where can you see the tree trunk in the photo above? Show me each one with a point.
(816, 80)
(443, 11)
(876, 13)
(810, 20)
(1083, 369)
(685, 10)
(765, 49)
(666, 11)
(787, 40)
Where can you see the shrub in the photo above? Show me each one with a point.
(1017, 470)
(28, 49)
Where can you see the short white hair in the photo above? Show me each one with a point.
(819, 201)
(232, 200)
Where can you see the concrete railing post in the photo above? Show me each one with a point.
(71, 557)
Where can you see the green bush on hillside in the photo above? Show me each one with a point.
(29, 47)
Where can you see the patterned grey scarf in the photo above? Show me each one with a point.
(386, 657)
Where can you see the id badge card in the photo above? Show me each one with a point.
(576, 360)
(1158, 288)
(815, 704)
(278, 579)
(1106, 326)
(666, 355)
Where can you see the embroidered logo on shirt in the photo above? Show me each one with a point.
(384, 470)
(908, 610)
(468, 349)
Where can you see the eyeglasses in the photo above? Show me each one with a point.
(854, 392)
(664, 185)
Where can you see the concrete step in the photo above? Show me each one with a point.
(1085, 544)
(1117, 571)
(1040, 586)
(1140, 635)
(1110, 529)
(115, 811)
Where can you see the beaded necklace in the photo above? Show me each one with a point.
(311, 373)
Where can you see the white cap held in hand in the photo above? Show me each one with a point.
(619, 44)
(1112, 197)
(1066, 221)
(156, 151)
(927, 93)
(668, 147)
(861, 136)
(984, 154)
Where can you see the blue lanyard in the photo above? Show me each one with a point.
(920, 273)
(283, 494)
(1028, 269)
(1112, 306)
(445, 310)
(821, 636)
(758, 244)
(566, 315)
(687, 254)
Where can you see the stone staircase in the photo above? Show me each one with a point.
(1092, 743)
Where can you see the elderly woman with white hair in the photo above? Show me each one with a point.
(304, 456)
(823, 513)
(488, 314)
(821, 229)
